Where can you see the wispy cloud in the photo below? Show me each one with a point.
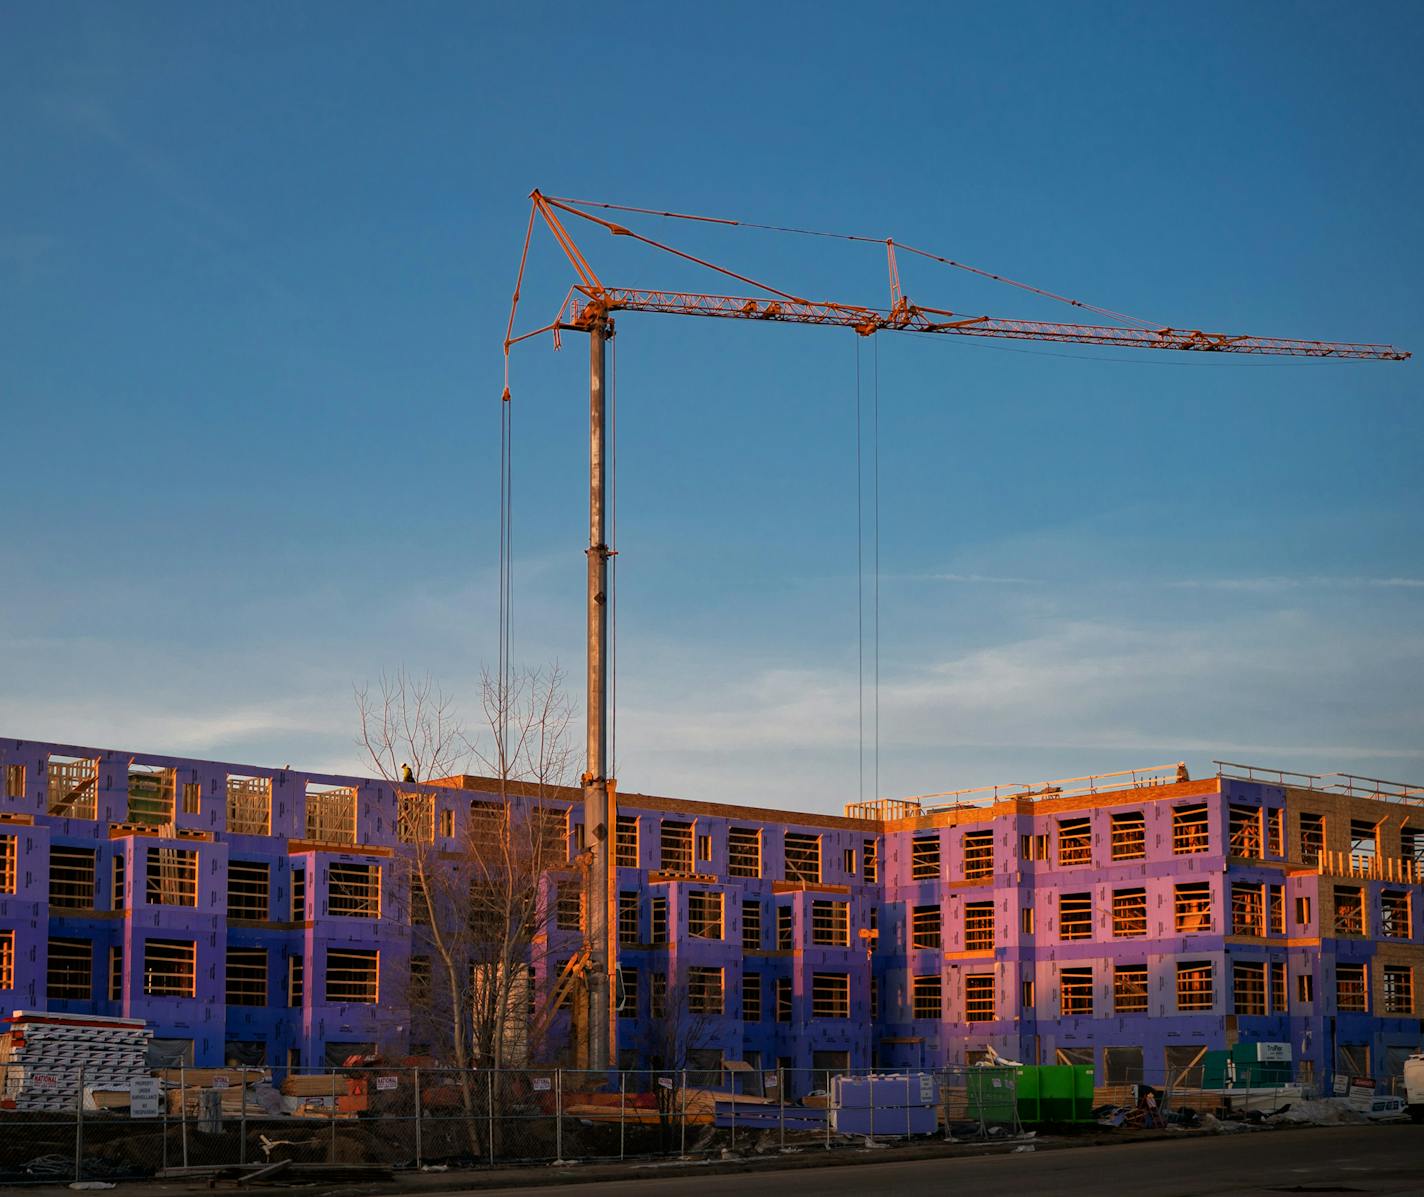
(1312, 582)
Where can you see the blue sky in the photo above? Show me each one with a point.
(255, 263)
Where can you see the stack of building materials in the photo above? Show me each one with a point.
(187, 1085)
(318, 1095)
(44, 1056)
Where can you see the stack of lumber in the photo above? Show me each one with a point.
(319, 1095)
(322, 1084)
(186, 1085)
(45, 1055)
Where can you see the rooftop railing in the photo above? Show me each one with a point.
(1352, 784)
(887, 809)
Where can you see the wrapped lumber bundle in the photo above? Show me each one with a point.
(187, 1085)
(45, 1055)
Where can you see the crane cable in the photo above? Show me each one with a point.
(860, 572)
(859, 585)
(803, 232)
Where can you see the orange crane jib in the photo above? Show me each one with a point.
(591, 302)
(910, 318)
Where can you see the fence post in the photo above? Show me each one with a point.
(944, 1100)
(870, 1102)
(781, 1105)
(732, 1097)
(908, 1121)
(79, 1129)
(559, 1114)
(183, 1108)
(331, 1151)
(828, 1109)
(489, 1096)
(242, 1117)
(684, 1113)
(622, 1111)
(418, 1143)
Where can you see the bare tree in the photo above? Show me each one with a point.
(482, 905)
(411, 724)
(678, 1030)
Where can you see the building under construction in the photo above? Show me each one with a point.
(1131, 921)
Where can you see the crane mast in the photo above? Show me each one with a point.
(589, 309)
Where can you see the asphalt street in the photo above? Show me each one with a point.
(1333, 1160)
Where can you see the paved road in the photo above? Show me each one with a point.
(1334, 1160)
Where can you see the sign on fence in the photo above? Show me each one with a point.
(384, 1084)
(927, 1089)
(665, 1082)
(145, 1097)
(542, 1084)
(219, 1082)
(44, 1080)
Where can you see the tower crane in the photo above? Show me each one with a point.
(589, 307)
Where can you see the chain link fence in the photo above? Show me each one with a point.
(62, 1129)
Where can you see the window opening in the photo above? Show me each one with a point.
(625, 843)
(170, 968)
(1075, 916)
(628, 930)
(1075, 988)
(1130, 989)
(1349, 910)
(1312, 837)
(830, 923)
(1249, 986)
(924, 857)
(979, 997)
(71, 878)
(1398, 989)
(927, 997)
(70, 976)
(744, 852)
(1195, 990)
(352, 975)
(704, 990)
(73, 786)
(704, 914)
(171, 877)
(803, 857)
(331, 814)
(1075, 842)
(1247, 910)
(1129, 835)
(249, 805)
(247, 976)
(676, 847)
(1129, 913)
(247, 889)
(1351, 994)
(1394, 914)
(751, 925)
(925, 924)
(979, 926)
(415, 818)
(1193, 907)
(830, 995)
(978, 854)
(1190, 830)
(1245, 830)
